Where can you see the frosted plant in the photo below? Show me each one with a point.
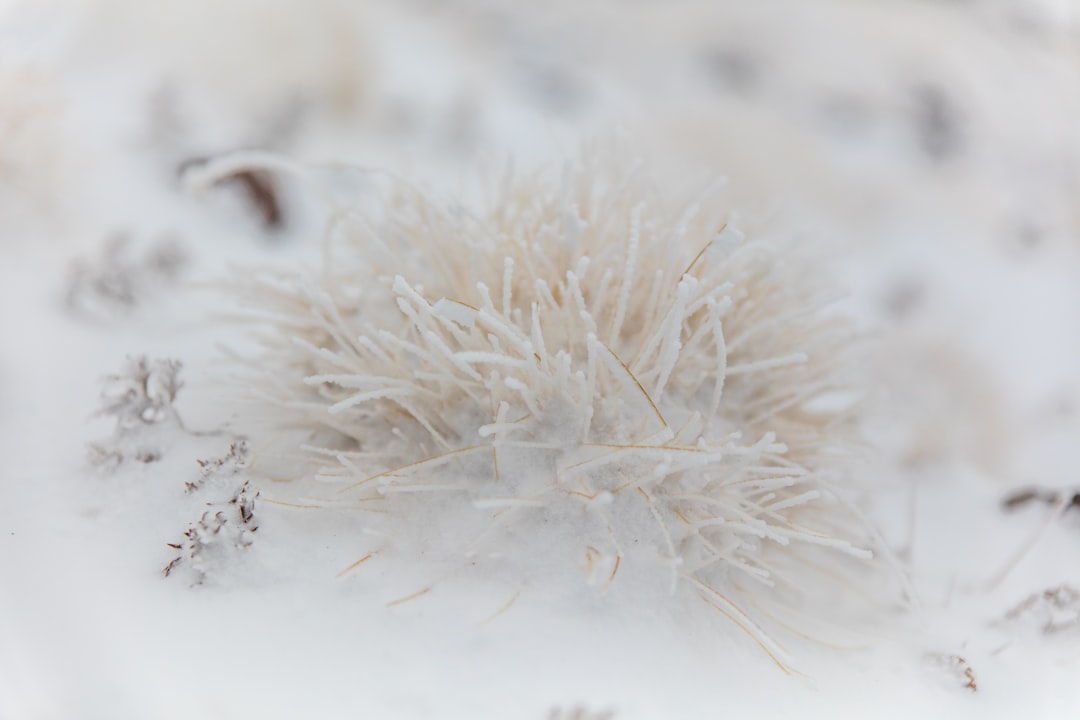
(587, 376)
(117, 281)
(143, 394)
(1051, 611)
(210, 543)
(227, 525)
(140, 399)
(222, 470)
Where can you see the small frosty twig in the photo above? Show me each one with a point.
(234, 462)
(228, 524)
(1069, 499)
(139, 399)
(1053, 611)
(1060, 503)
(957, 666)
(259, 187)
(142, 401)
(244, 501)
(216, 535)
(143, 394)
(119, 280)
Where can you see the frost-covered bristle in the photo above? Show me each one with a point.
(583, 373)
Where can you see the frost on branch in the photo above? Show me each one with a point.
(140, 399)
(585, 377)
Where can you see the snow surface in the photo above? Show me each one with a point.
(929, 149)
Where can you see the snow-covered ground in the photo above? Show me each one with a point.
(927, 151)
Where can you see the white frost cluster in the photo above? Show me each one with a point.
(589, 372)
